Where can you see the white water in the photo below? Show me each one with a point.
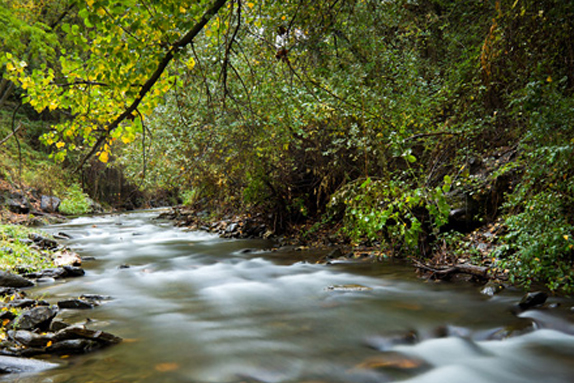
(195, 308)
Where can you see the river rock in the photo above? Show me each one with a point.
(348, 288)
(75, 303)
(18, 205)
(11, 365)
(59, 272)
(38, 317)
(67, 258)
(30, 339)
(386, 343)
(49, 204)
(492, 288)
(533, 299)
(43, 242)
(81, 332)
(75, 346)
(12, 280)
(26, 302)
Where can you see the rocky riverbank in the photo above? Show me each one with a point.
(30, 326)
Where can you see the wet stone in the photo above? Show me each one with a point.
(74, 303)
(533, 299)
(38, 317)
(492, 288)
(348, 288)
(386, 343)
(13, 280)
(12, 365)
(30, 339)
(25, 303)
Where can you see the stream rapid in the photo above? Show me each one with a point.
(192, 307)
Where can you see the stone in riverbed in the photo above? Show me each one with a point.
(12, 365)
(13, 280)
(74, 303)
(81, 332)
(30, 339)
(533, 299)
(38, 317)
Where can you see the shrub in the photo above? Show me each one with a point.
(76, 202)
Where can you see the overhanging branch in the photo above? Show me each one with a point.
(148, 85)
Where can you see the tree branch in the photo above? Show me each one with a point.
(175, 48)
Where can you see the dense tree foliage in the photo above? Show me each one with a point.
(392, 117)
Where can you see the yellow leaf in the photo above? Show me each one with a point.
(9, 67)
(182, 9)
(49, 344)
(5, 322)
(60, 144)
(565, 237)
(549, 79)
(250, 5)
(104, 157)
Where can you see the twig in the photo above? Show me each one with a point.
(11, 134)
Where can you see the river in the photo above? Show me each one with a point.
(192, 307)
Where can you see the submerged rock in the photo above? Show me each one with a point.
(492, 288)
(11, 365)
(349, 287)
(533, 299)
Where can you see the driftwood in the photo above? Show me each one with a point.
(459, 268)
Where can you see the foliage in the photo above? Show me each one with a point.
(540, 242)
(393, 212)
(75, 202)
(15, 253)
(285, 106)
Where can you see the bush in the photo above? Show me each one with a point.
(76, 202)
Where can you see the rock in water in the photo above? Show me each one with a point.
(533, 299)
(38, 317)
(13, 280)
(10, 365)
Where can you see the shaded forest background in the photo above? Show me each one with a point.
(404, 124)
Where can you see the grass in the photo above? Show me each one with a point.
(16, 254)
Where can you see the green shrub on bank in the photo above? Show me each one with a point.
(76, 202)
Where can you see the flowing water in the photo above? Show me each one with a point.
(192, 307)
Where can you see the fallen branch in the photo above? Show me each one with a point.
(459, 268)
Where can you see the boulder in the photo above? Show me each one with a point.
(12, 280)
(18, 205)
(49, 204)
(37, 317)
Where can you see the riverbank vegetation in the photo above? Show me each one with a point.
(431, 129)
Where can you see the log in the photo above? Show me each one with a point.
(460, 268)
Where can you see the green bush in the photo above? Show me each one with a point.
(76, 202)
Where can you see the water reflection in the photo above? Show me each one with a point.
(195, 308)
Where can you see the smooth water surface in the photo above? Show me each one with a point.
(192, 307)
